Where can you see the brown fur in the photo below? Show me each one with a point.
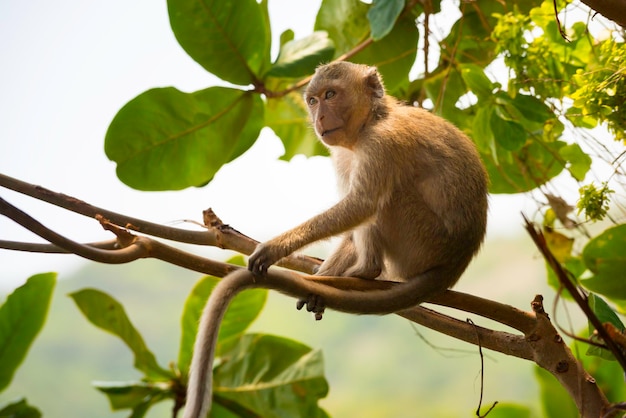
(414, 209)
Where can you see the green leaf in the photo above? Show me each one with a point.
(21, 318)
(604, 255)
(523, 170)
(510, 135)
(347, 25)
(345, 21)
(242, 311)
(383, 15)
(578, 162)
(475, 78)
(271, 377)
(555, 400)
(605, 314)
(299, 58)
(20, 409)
(165, 139)
(106, 313)
(289, 119)
(394, 55)
(138, 396)
(229, 39)
(481, 131)
(444, 90)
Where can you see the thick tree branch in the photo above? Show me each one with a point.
(540, 341)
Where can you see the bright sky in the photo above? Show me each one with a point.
(69, 66)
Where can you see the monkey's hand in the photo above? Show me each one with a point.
(264, 256)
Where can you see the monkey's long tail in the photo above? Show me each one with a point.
(200, 387)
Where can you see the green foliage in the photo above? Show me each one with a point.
(21, 318)
(165, 139)
(604, 257)
(265, 375)
(272, 377)
(20, 409)
(594, 202)
(601, 88)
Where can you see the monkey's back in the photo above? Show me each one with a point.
(436, 210)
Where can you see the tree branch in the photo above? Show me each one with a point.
(540, 341)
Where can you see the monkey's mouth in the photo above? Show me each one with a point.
(329, 131)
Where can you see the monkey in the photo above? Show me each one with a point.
(413, 208)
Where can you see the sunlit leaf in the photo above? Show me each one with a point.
(272, 377)
(241, 312)
(165, 139)
(106, 313)
(21, 318)
(229, 39)
(299, 58)
(578, 161)
(559, 244)
(383, 15)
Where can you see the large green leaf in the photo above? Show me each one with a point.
(345, 21)
(383, 15)
(108, 314)
(165, 139)
(605, 257)
(230, 39)
(289, 119)
(605, 314)
(21, 318)
(241, 313)
(271, 377)
(298, 58)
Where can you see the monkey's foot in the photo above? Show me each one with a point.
(314, 304)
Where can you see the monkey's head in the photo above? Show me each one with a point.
(342, 97)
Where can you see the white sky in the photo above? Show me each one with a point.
(68, 66)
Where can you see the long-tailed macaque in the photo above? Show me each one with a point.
(414, 209)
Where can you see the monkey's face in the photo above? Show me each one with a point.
(333, 114)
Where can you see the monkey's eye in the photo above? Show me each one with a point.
(329, 94)
(311, 101)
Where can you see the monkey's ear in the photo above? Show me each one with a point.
(375, 83)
